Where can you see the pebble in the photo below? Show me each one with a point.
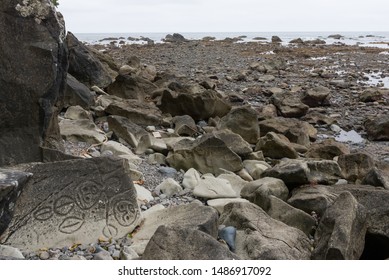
(44, 255)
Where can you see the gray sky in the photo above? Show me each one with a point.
(101, 16)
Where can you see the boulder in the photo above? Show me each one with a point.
(199, 106)
(126, 130)
(355, 166)
(377, 129)
(255, 168)
(169, 187)
(342, 229)
(119, 150)
(284, 212)
(8, 252)
(76, 201)
(326, 172)
(175, 38)
(234, 141)
(131, 87)
(276, 146)
(317, 96)
(77, 93)
(259, 191)
(237, 183)
(294, 173)
(207, 186)
(371, 95)
(219, 203)
(377, 177)
(242, 121)
(289, 105)
(328, 149)
(140, 113)
(207, 154)
(260, 237)
(85, 66)
(297, 131)
(178, 243)
(77, 113)
(83, 130)
(11, 184)
(194, 216)
(184, 126)
(276, 39)
(34, 61)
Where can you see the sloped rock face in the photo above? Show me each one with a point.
(73, 201)
(84, 66)
(33, 59)
(199, 106)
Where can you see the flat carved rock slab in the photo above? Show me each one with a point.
(75, 201)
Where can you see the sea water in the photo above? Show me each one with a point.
(363, 38)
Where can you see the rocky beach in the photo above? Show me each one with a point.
(189, 149)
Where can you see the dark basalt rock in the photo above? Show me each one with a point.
(33, 59)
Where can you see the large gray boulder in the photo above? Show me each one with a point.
(207, 154)
(177, 243)
(342, 229)
(355, 166)
(127, 130)
(193, 216)
(78, 94)
(76, 201)
(276, 146)
(200, 106)
(377, 129)
(85, 66)
(297, 131)
(259, 191)
(328, 149)
(259, 237)
(11, 184)
(289, 105)
(33, 59)
(242, 121)
(140, 113)
(131, 87)
(317, 96)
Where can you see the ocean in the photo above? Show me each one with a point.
(363, 38)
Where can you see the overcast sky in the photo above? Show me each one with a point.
(106, 16)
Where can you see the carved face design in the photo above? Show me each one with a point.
(88, 195)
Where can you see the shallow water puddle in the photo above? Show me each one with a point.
(375, 79)
(349, 136)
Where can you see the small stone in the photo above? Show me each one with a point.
(44, 255)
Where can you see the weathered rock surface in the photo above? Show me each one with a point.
(275, 146)
(127, 130)
(11, 184)
(259, 237)
(83, 130)
(71, 202)
(255, 168)
(176, 243)
(259, 191)
(317, 96)
(342, 229)
(78, 94)
(297, 131)
(242, 121)
(200, 106)
(234, 141)
(192, 216)
(283, 212)
(328, 149)
(140, 113)
(289, 105)
(355, 166)
(184, 125)
(31, 95)
(377, 177)
(207, 155)
(219, 203)
(131, 87)
(378, 128)
(84, 65)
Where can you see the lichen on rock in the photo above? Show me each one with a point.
(39, 9)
